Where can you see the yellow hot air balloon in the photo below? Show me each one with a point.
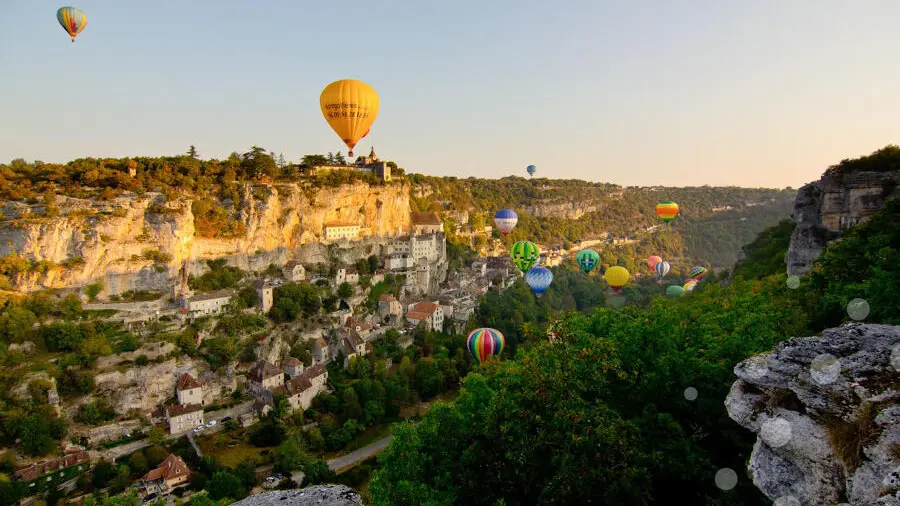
(616, 276)
(350, 107)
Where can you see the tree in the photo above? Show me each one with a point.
(16, 324)
(291, 455)
(345, 291)
(224, 485)
(137, 462)
(192, 152)
(257, 163)
(374, 263)
(103, 473)
(155, 455)
(93, 290)
(317, 472)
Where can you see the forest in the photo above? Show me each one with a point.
(598, 412)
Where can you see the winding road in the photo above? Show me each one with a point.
(357, 456)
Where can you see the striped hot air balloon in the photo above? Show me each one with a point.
(525, 254)
(698, 272)
(506, 220)
(72, 20)
(539, 279)
(667, 210)
(690, 284)
(662, 268)
(485, 342)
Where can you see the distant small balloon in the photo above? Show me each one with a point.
(652, 261)
(662, 268)
(531, 170)
(72, 20)
(674, 291)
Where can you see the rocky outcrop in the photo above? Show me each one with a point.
(826, 208)
(318, 495)
(145, 388)
(827, 414)
(111, 239)
(564, 210)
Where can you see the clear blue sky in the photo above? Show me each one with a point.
(687, 92)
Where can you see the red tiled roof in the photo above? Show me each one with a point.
(183, 409)
(172, 467)
(263, 370)
(425, 307)
(32, 472)
(187, 382)
(425, 219)
(290, 362)
(416, 315)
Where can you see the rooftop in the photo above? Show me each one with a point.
(218, 294)
(290, 362)
(425, 219)
(183, 409)
(333, 224)
(172, 467)
(263, 370)
(290, 264)
(187, 382)
(32, 472)
(425, 307)
(416, 315)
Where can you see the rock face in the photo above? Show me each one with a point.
(282, 221)
(827, 414)
(319, 495)
(824, 209)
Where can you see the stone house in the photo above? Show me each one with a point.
(263, 378)
(321, 352)
(183, 417)
(189, 390)
(266, 295)
(389, 305)
(292, 367)
(301, 390)
(428, 313)
(212, 303)
(341, 230)
(294, 271)
(426, 223)
(54, 469)
(171, 473)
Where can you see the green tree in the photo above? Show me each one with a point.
(93, 290)
(291, 455)
(345, 291)
(16, 324)
(224, 485)
(137, 462)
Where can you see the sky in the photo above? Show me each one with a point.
(767, 93)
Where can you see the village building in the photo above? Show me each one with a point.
(301, 390)
(292, 367)
(388, 305)
(337, 230)
(428, 313)
(183, 417)
(321, 352)
(266, 295)
(189, 390)
(425, 223)
(171, 473)
(294, 271)
(54, 470)
(206, 304)
(399, 262)
(263, 378)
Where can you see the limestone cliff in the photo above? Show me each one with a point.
(824, 209)
(112, 238)
(827, 414)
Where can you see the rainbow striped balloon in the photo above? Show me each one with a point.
(485, 342)
(667, 210)
(72, 20)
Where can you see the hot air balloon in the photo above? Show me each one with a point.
(690, 284)
(506, 220)
(667, 210)
(697, 272)
(662, 268)
(652, 261)
(72, 20)
(350, 107)
(525, 254)
(616, 276)
(674, 291)
(587, 259)
(485, 342)
(539, 279)
(531, 170)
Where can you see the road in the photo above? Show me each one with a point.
(359, 455)
(120, 451)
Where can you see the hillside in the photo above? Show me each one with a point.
(132, 224)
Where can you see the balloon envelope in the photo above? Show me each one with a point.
(485, 342)
(652, 261)
(525, 254)
(587, 259)
(674, 291)
(72, 20)
(539, 279)
(667, 210)
(506, 220)
(350, 107)
(690, 284)
(662, 268)
(616, 276)
(698, 272)
(531, 170)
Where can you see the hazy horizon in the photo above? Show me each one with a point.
(767, 94)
